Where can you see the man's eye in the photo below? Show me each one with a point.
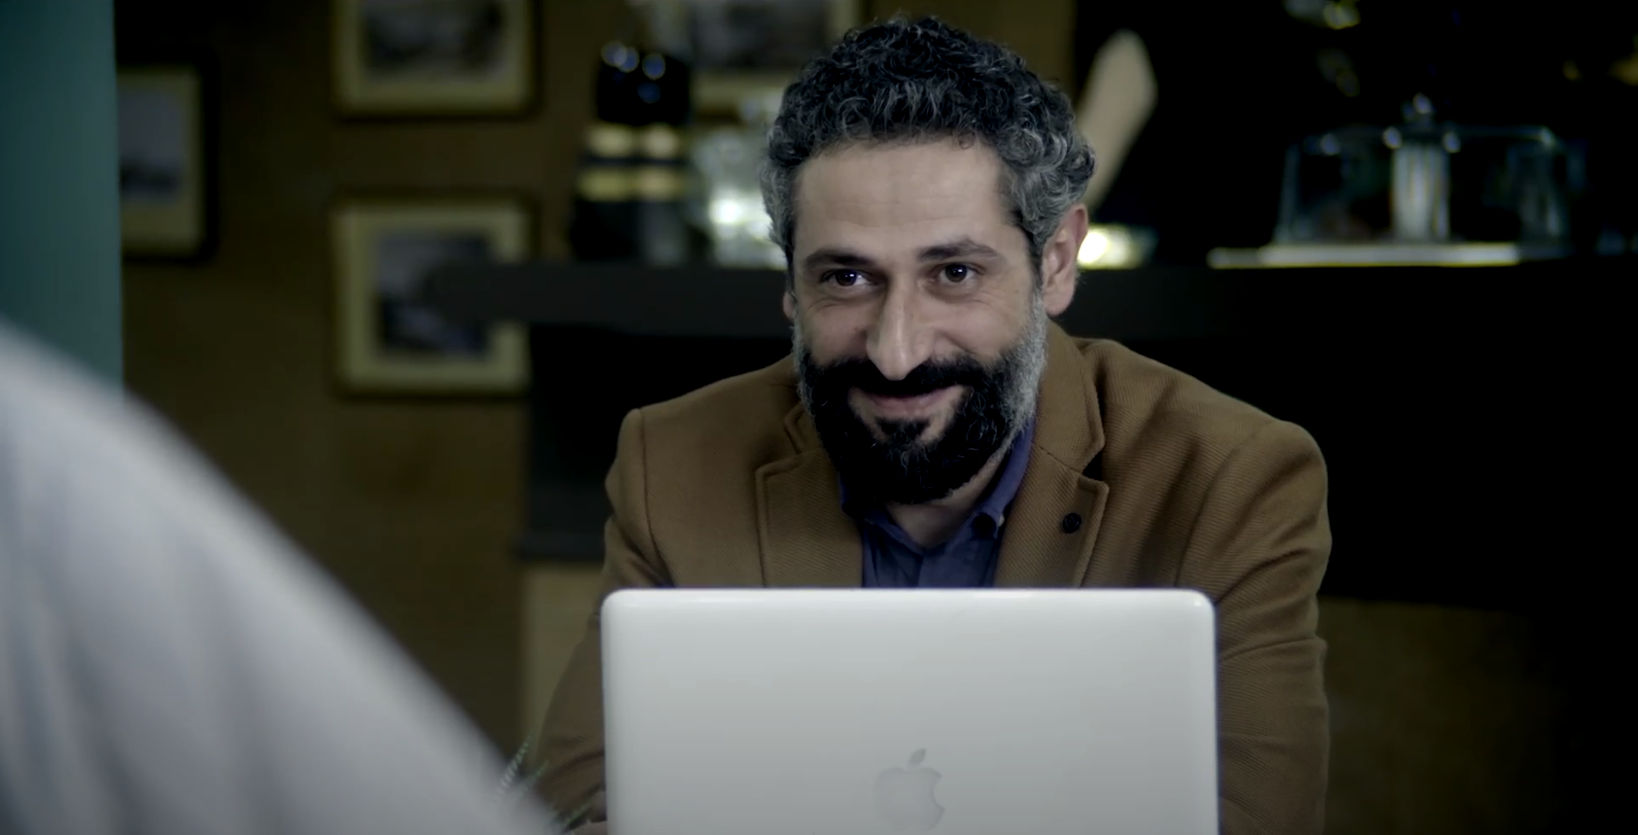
(957, 273)
(843, 278)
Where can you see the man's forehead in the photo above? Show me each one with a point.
(907, 195)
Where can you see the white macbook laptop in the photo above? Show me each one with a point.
(855, 712)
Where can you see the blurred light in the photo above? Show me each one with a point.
(1348, 83)
(620, 56)
(1305, 10)
(660, 142)
(654, 65)
(1452, 144)
(1109, 248)
(649, 92)
(1571, 71)
(1341, 15)
(741, 231)
(1329, 145)
(1094, 247)
(1390, 137)
(727, 211)
(656, 182)
(604, 139)
(1626, 69)
(1373, 255)
(1423, 104)
(1338, 69)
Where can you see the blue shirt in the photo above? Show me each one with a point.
(967, 560)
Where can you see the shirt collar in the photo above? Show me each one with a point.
(1004, 489)
(995, 501)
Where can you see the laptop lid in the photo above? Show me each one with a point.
(862, 711)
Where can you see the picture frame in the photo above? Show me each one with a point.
(166, 159)
(387, 341)
(745, 50)
(428, 58)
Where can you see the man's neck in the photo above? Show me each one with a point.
(935, 522)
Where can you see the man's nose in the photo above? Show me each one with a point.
(899, 339)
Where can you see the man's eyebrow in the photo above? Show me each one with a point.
(835, 258)
(961, 248)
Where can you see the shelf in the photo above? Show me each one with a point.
(1143, 304)
(1446, 401)
(705, 301)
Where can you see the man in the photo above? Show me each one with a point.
(934, 427)
(170, 664)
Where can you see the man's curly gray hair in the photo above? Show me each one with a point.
(923, 80)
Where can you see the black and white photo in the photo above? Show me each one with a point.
(161, 160)
(402, 261)
(743, 51)
(434, 57)
(433, 38)
(388, 340)
(153, 145)
(759, 35)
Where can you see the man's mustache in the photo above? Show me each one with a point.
(923, 379)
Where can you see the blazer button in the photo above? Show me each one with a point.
(1072, 523)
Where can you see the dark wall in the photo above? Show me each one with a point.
(413, 505)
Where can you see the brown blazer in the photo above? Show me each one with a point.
(1178, 486)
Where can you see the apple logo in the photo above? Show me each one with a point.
(904, 796)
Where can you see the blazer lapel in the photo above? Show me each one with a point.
(807, 541)
(1039, 549)
(1052, 528)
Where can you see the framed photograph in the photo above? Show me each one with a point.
(163, 170)
(745, 49)
(434, 57)
(389, 343)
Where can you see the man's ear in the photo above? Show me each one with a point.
(789, 302)
(1060, 261)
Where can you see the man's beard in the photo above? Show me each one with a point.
(997, 401)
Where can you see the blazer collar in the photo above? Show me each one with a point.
(805, 538)
(1053, 526)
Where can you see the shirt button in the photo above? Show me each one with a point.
(1071, 523)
